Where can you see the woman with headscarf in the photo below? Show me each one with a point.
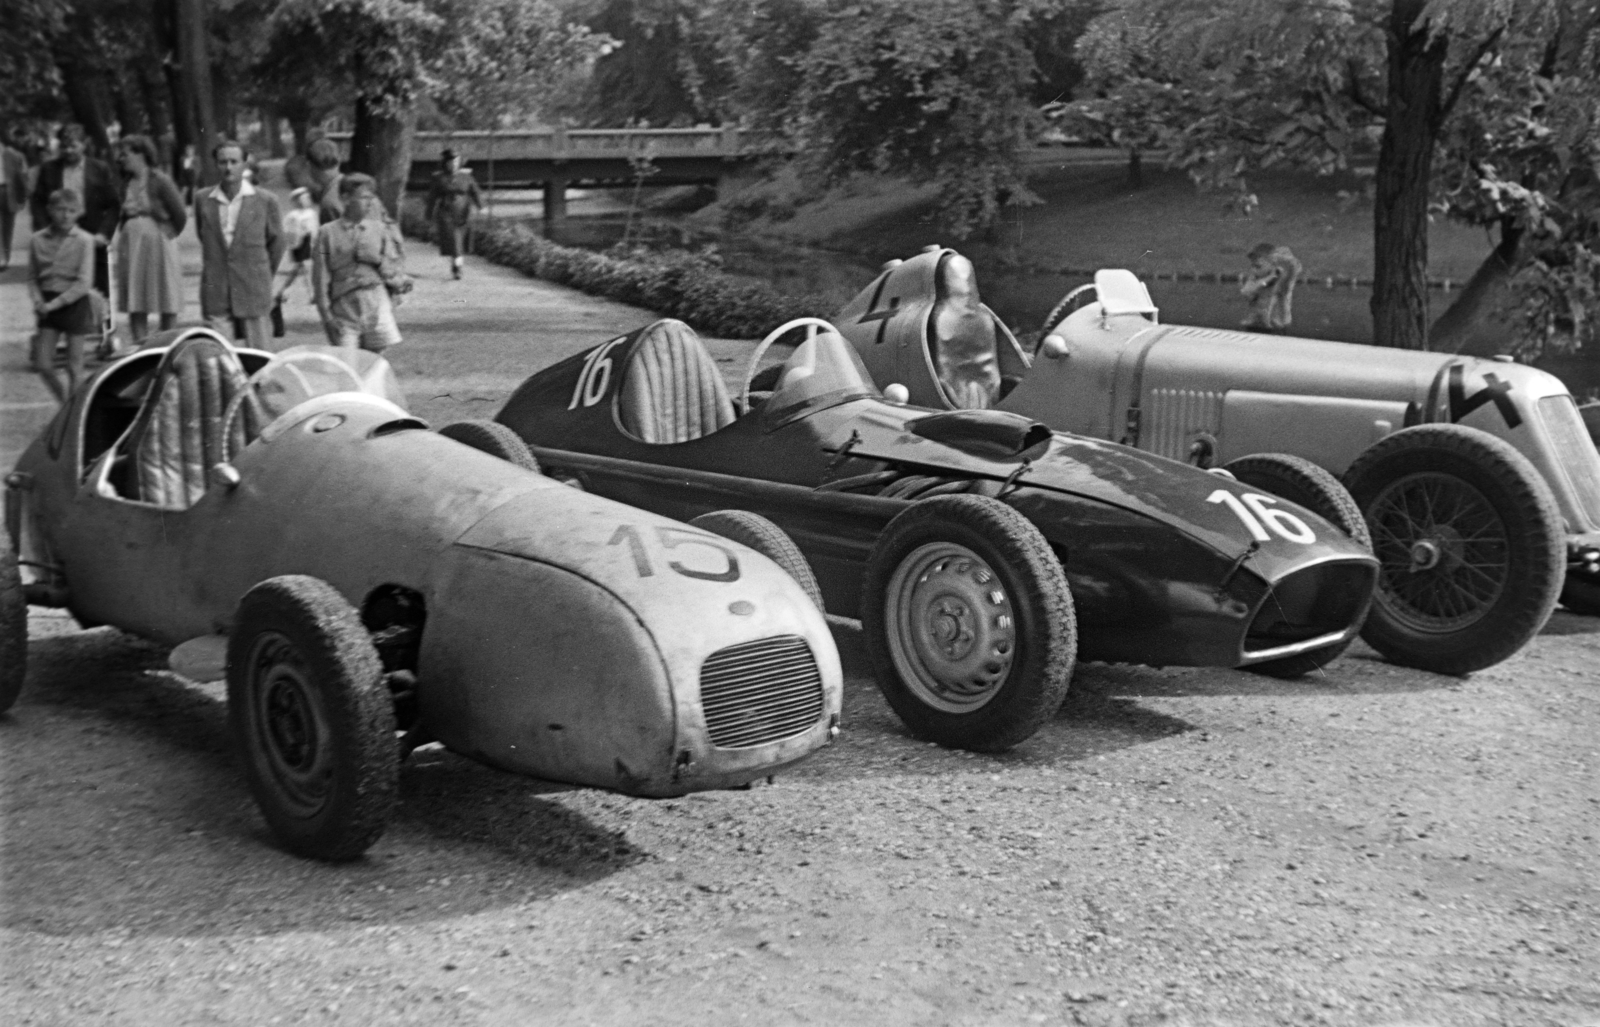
(149, 274)
(451, 201)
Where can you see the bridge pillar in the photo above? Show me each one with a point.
(555, 200)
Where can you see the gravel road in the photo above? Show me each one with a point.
(1375, 846)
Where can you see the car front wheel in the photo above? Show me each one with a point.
(969, 623)
(493, 438)
(312, 720)
(13, 625)
(1471, 543)
(759, 533)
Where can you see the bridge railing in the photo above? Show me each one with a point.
(576, 143)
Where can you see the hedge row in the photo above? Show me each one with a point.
(678, 284)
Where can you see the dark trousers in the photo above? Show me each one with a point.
(8, 225)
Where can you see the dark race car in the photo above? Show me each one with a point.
(982, 551)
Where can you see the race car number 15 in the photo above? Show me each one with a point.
(595, 377)
(1256, 513)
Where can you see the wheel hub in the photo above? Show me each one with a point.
(1444, 551)
(291, 728)
(951, 627)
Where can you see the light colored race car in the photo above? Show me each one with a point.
(1476, 477)
(366, 585)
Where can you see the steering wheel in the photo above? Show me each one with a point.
(773, 336)
(1059, 311)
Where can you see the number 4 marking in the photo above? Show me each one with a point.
(1253, 510)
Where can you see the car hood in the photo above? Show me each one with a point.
(1184, 497)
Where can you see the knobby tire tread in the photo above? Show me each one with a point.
(757, 532)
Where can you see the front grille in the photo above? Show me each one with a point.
(1314, 601)
(758, 692)
(1575, 456)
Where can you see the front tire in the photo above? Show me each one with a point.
(13, 625)
(757, 532)
(1302, 482)
(493, 438)
(1471, 543)
(311, 718)
(969, 623)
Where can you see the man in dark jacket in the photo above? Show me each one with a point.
(241, 244)
(98, 185)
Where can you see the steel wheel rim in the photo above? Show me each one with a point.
(1444, 552)
(951, 628)
(291, 727)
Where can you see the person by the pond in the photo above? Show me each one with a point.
(1269, 286)
(241, 245)
(451, 202)
(60, 280)
(149, 273)
(358, 270)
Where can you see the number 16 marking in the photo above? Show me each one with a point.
(1256, 509)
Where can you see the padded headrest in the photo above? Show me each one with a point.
(672, 390)
(180, 432)
(962, 336)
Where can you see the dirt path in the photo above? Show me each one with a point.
(1373, 847)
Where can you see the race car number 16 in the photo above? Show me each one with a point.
(1254, 510)
(595, 377)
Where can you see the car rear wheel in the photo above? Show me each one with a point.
(13, 625)
(758, 533)
(969, 623)
(1471, 543)
(1300, 481)
(493, 438)
(312, 720)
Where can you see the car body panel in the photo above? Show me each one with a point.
(547, 649)
(1129, 526)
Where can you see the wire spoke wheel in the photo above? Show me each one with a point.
(1444, 550)
(951, 629)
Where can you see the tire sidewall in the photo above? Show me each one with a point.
(346, 686)
(756, 532)
(13, 625)
(1034, 669)
(493, 438)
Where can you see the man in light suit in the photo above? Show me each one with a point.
(241, 244)
(13, 194)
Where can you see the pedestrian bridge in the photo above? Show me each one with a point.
(560, 158)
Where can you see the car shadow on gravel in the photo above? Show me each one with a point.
(124, 811)
(1359, 672)
(1564, 623)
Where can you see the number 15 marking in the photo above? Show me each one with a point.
(672, 538)
(1255, 509)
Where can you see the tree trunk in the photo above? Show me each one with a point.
(194, 74)
(1461, 328)
(84, 89)
(1135, 170)
(380, 146)
(131, 113)
(1405, 166)
(222, 94)
(152, 91)
(272, 126)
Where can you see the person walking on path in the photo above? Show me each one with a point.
(60, 278)
(149, 274)
(99, 192)
(451, 202)
(13, 194)
(241, 245)
(358, 270)
(1269, 286)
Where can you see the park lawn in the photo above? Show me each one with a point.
(1091, 218)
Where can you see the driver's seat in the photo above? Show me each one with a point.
(182, 430)
(671, 389)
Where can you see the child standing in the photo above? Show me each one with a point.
(358, 270)
(300, 226)
(60, 278)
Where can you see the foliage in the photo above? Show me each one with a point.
(29, 79)
(380, 47)
(688, 286)
(935, 90)
(1226, 90)
(507, 57)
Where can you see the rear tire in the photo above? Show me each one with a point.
(493, 438)
(969, 623)
(758, 533)
(1302, 482)
(1471, 544)
(311, 717)
(13, 625)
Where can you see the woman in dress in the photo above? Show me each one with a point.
(149, 275)
(451, 201)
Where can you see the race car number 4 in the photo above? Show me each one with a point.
(1256, 513)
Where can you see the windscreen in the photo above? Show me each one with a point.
(306, 372)
(823, 371)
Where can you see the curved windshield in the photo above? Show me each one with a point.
(823, 372)
(302, 373)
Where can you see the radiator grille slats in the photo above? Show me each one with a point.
(760, 692)
(1174, 416)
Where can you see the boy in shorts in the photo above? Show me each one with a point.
(60, 278)
(358, 269)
